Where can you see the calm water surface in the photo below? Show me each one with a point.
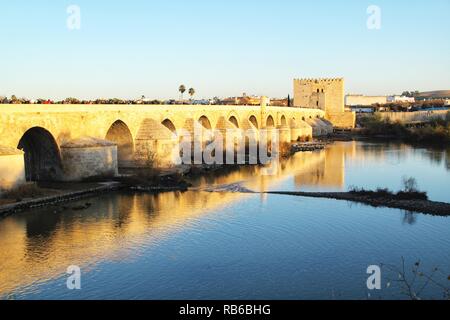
(200, 245)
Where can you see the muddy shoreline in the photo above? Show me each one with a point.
(60, 195)
(64, 199)
(418, 206)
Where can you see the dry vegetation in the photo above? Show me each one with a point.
(436, 131)
(26, 191)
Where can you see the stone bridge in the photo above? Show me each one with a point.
(74, 142)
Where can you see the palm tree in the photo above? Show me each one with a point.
(182, 90)
(191, 92)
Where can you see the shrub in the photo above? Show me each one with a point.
(409, 184)
(410, 191)
(383, 193)
(413, 195)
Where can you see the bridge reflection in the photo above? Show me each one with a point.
(40, 245)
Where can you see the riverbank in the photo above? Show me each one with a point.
(54, 194)
(171, 180)
(39, 195)
(412, 205)
(58, 197)
(436, 131)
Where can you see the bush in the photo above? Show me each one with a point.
(409, 184)
(383, 193)
(436, 131)
(376, 125)
(410, 192)
(413, 195)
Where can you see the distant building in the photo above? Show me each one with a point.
(447, 102)
(244, 100)
(363, 109)
(202, 102)
(229, 101)
(393, 99)
(279, 102)
(364, 101)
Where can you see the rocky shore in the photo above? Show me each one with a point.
(56, 199)
(307, 146)
(412, 205)
(58, 193)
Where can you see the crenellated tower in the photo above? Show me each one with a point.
(326, 94)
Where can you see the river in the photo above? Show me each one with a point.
(203, 245)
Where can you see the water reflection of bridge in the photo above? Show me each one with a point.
(40, 245)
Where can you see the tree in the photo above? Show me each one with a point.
(289, 100)
(182, 90)
(409, 184)
(192, 92)
(71, 101)
(411, 94)
(14, 99)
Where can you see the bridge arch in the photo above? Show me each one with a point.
(204, 121)
(120, 134)
(270, 123)
(254, 121)
(234, 121)
(42, 155)
(169, 125)
(283, 121)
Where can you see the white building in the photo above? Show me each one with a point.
(361, 100)
(392, 99)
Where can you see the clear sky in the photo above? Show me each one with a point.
(221, 48)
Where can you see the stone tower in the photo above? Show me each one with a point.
(327, 95)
